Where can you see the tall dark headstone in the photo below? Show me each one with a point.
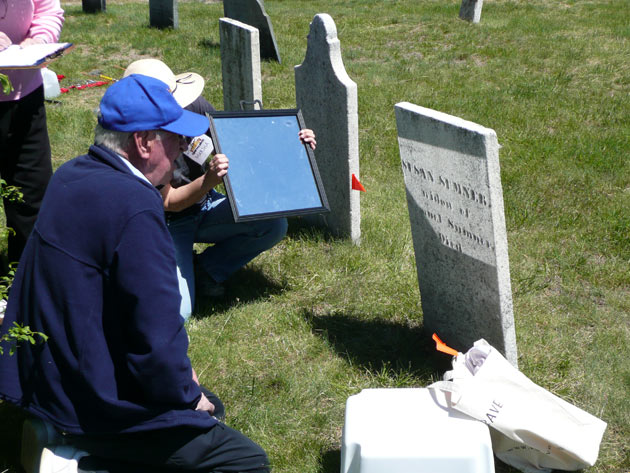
(93, 6)
(470, 10)
(163, 13)
(252, 12)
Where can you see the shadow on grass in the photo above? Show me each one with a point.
(247, 285)
(10, 437)
(379, 344)
(330, 462)
(209, 43)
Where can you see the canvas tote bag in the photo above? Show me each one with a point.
(532, 429)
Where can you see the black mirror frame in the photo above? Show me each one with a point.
(297, 114)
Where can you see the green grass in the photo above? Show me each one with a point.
(317, 319)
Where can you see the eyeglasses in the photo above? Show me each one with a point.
(162, 134)
(187, 139)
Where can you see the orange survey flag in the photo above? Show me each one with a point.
(356, 185)
(441, 346)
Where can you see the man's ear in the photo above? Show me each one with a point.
(143, 142)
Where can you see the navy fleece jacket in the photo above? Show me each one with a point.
(98, 277)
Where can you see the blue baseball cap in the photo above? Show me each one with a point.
(140, 103)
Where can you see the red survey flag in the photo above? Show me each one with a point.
(356, 185)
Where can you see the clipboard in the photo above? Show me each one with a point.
(35, 56)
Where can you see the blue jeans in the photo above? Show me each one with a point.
(234, 244)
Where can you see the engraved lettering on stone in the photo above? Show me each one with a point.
(468, 234)
(450, 243)
(449, 184)
(433, 216)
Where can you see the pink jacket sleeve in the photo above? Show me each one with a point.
(47, 20)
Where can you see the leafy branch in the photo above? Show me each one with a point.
(12, 193)
(17, 334)
(20, 334)
(7, 88)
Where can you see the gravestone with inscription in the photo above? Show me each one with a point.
(329, 103)
(455, 201)
(470, 10)
(240, 65)
(252, 12)
(93, 6)
(163, 14)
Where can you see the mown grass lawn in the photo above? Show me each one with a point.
(317, 319)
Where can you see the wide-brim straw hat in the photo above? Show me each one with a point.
(185, 87)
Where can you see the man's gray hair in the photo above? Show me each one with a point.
(117, 141)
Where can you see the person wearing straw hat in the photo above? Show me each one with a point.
(98, 278)
(197, 213)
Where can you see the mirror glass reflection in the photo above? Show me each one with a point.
(270, 169)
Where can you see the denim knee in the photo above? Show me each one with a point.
(278, 230)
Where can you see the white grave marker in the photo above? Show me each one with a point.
(329, 103)
(240, 65)
(455, 200)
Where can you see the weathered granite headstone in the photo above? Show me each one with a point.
(455, 200)
(328, 100)
(163, 14)
(93, 6)
(470, 10)
(252, 12)
(240, 64)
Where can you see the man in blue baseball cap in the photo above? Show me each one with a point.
(98, 277)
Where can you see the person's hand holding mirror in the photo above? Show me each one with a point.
(217, 168)
(307, 137)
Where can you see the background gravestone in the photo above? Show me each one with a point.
(252, 12)
(93, 6)
(240, 64)
(470, 10)
(455, 201)
(328, 100)
(163, 13)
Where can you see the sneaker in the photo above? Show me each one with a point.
(36, 434)
(205, 285)
(60, 459)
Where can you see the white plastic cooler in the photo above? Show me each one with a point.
(407, 431)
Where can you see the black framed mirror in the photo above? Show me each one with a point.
(272, 173)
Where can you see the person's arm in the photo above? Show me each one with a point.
(176, 199)
(46, 24)
(146, 291)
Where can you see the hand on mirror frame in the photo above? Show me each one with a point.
(307, 136)
(217, 168)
